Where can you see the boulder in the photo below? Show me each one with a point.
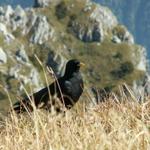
(41, 30)
(142, 64)
(3, 56)
(100, 20)
(142, 88)
(41, 3)
(103, 16)
(34, 78)
(121, 34)
(92, 33)
(8, 36)
(19, 18)
(21, 55)
(6, 13)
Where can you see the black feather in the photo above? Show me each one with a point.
(67, 89)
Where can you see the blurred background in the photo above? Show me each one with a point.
(133, 14)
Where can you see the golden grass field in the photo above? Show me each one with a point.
(111, 125)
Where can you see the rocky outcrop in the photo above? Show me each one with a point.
(41, 30)
(21, 55)
(104, 16)
(142, 63)
(121, 34)
(18, 73)
(42, 3)
(7, 36)
(142, 88)
(19, 18)
(13, 18)
(91, 34)
(100, 20)
(5, 14)
(3, 56)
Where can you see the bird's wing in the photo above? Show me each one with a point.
(68, 87)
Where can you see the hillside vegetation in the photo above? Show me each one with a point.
(110, 125)
(64, 30)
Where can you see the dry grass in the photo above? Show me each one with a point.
(109, 125)
(117, 124)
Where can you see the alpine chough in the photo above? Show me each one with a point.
(66, 89)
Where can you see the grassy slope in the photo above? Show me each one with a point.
(110, 125)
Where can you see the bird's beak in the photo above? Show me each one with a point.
(82, 64)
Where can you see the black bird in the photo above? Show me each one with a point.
(67, 90)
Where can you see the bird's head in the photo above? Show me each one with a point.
(73, 66)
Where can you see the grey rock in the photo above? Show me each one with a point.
(45, 3)
(128, 37)
(31, 19)
(34, 78)
(8, 36)
(42, 3)
(19, 18)
(139, 58)
(142, 65)
(13, 18)
(115, 39)
(100, 20)
(104, 16)
(88, 6)
(147, 84)
(14, 71)
(85, 36)
(41, 30)
(97, 33)
(93, 33)
(3, 56)
(21, 55)
(124, 36)
(56, 62)
(142, 88)
(6, 13)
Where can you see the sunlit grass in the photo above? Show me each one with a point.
(119, 123)
(109, 125)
